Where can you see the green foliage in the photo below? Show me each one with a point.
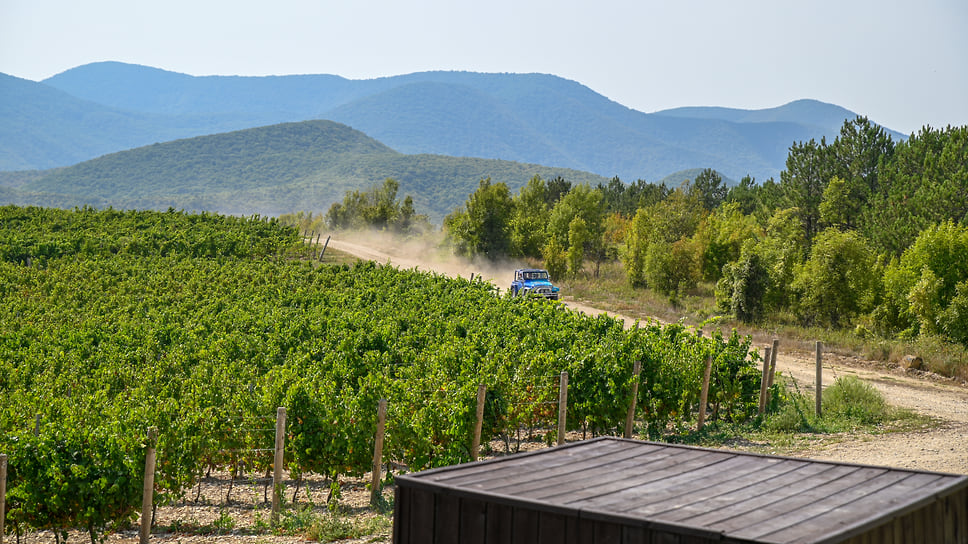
(206, 344)
(627, 199)
(744, 288)
(530, 218)
(581, 201)
(851, 400)
(484, 228)
(834, 207)
(836, 283)
(721, 236)
(577, 238)
(924, 289)
(709, 189)
(924, 183)
(670, 268)
(377, 208)
(555, 258)
(73, 477)
(653, 232)
(335, 528)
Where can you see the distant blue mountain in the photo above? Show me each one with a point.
(532, 118)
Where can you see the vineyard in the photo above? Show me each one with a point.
(202, 325)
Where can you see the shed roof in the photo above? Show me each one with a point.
(729, 494)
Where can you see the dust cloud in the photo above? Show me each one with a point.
(426, 254)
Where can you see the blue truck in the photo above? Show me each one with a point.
(533, 281)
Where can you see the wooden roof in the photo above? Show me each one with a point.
(699, 491)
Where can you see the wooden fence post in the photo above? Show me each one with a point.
(148, 493)
(765, 377)
(3, 492)
(277, 462)
(776, 348)
(819, 376)
(326, 245)
(479, 422)
(704, 393)
(630, 417)
(381, 421)
(562, 406)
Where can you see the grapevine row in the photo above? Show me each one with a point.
(101, 344)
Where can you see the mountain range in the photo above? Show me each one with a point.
(101, 108)
(268, 170)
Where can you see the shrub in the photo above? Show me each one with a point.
(854, 401)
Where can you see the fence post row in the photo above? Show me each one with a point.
(277, 463)
(630, 417)
(704, 393)
(381, 420)
(562, 406)
(148, 493)
(479, 424)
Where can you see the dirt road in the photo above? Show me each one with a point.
(942, 448)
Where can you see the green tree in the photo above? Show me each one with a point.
(482, 228)
(584, 202)
(809, 167)
(745, 194)
(627, 199)
(720, 238)
(835, 208)
(744, 286)
(859, 151)
(836, 283)
(530, 218)
(925, 183)
(557, 188)
(577, 238)
(920, 286)
(376, 208)
(665, 222)
(708, 188)
(555, 258)
(670, 268)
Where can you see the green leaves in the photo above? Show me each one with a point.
(104, 344)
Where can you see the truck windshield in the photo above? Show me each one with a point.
(536, 275)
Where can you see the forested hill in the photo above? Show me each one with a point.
(268, 170)
(534, 118)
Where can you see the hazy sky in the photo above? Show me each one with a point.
(904, 64)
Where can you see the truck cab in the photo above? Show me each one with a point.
(533, 281)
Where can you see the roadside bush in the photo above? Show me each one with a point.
(854, 401)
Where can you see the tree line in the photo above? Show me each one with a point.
(862, 231)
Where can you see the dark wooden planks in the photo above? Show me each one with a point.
(623, 491)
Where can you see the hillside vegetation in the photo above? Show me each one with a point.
(267, 170)
(533, 118)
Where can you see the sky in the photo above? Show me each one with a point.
(902, 64)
